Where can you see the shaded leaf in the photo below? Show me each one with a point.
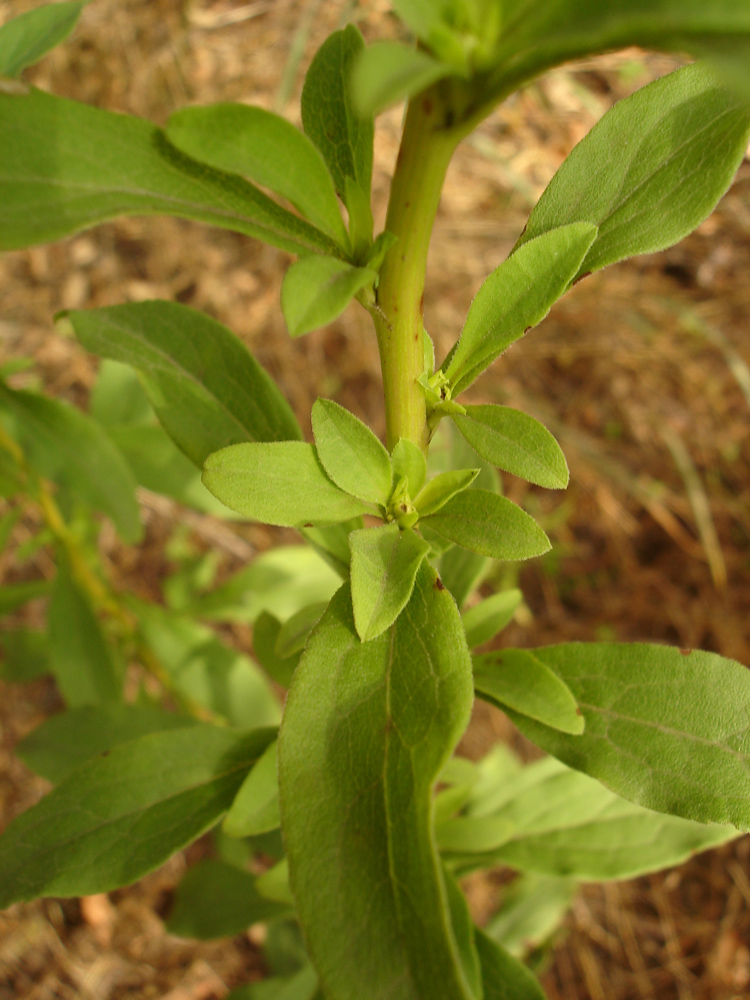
(503, 976)
(316, 291)
(25, 655)
(64, 741)
(409, 461)
(208, 391)
(15, 595)
(350, 453)
(265, 633)
(65, 445)
(517, 679)
(437, 491)
(490, 525)
(490, 616)
(282, 483)
(651, 170)
(293, 633)
(71, 166)
(515, 297)
(385, 563)
(356, 796)
(301, 985)
(388, 72)
(515, 442)
(265, 148)
(217, 900)
(531, 910)
(120, 816)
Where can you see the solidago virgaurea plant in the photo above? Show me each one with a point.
(372, 819)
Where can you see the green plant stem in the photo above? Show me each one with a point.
(426, 149)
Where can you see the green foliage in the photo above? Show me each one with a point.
(362, 623)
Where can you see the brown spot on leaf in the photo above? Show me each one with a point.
(527, 329)
(439, 585)
(578, 711)
(686, 652)
(581, 277)
(427, 106)
(421, 305)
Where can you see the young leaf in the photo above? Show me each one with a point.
(216, 900)
(517, 679)
(265, 633)
(203, 668)
(281, 483)
(316, 290)
(206, 388)
(70, 166)
(515, 297)
(385, 562)
(665, 728)
(473, 834)
(515, 442)
(503, 976)
(265, 148)
(256, 808)
(120, 816)
(437, 491)
(65, 445)
(388, 72)
(356, 797)
(538, 36)
(294, 632)
(64, 741)
(80, 656)
(567, 824)
(26, 38)
(490, 616)
(409, 461)
(651, 170)
(490, 525)
(350, 453)
(343, 136)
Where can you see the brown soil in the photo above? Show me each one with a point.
(642, 371)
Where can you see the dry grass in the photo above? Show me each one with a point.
(642, 371)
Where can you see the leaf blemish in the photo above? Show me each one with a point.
(439, 585)
(686, 652)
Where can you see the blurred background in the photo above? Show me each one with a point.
(642, 372)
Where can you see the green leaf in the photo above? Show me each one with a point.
(503, 976)
(15, 595)
(515, 442)
(293, 633)
(388, 72)
(331, 543)
(651, 170)
(473, 834)
(265, 148)
(280, 581)
(350, 453)
(118, 397)
(201, 667)
(437, 491)
(302, 985)
(567, 824)
(65, 445)
(80, 656)
(515, 297)
(118, 817)
(461, 570)
(216, 900)
(282, 483)
(61, 743)
(265, 633)
(316, 290)
(538, 36)
(25, 655)
(70, 166)
(26, 38)
(342, 134)
(367, 730)
(517, 679)
(256, 808)
(206, 388)
(274, 883)
(532, 909)
(664, 728)
(409, 462)
(490, 616)
(490, 525)
(385, 563)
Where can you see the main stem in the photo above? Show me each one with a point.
(426, 149)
